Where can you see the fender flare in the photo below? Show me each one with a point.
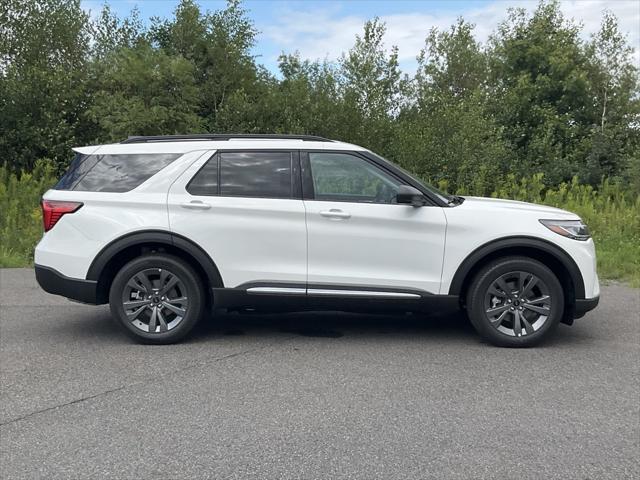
(161, 237)
(514, 242)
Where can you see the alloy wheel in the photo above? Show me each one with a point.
(155, 300)
(518, 303)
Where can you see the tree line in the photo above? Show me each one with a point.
(534, 98)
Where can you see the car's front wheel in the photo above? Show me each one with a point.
(515, 302)
(157, 298)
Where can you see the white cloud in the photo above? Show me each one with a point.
(326, 34)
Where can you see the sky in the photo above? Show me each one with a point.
(320, 29)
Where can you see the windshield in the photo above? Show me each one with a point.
(445, 197)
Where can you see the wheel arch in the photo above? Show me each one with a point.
(559, 261)
(123, 249)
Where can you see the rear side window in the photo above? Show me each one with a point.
(245, 174)
(112, 173)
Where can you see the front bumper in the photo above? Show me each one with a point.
(54, 282)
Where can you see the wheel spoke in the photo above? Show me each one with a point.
(135, 304)
(544, 310)
(136, 285)
(163, 276)
(133, 315)
(522, 280)
(494, 291)
(527, 326)
(536, 301)
(527, 289)
(496, 310)
(503, 286)
(497, 321)
(179, 300)
(178, 311)
(153, 320)
(144, 281)
(173, 280)
(517, 327)
(163, 323)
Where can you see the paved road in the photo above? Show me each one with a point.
(316, 395)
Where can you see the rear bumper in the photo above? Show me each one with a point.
(52, 281)
(585, 305)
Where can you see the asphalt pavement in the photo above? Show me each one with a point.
(319, 395)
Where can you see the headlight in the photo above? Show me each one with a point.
(575, 229)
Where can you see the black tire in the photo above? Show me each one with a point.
(188, 287)
(481, 301)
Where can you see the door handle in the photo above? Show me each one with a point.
(335, 213)
(196, 205)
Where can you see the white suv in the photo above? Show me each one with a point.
(167, 228)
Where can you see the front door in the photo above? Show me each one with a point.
(359, 238)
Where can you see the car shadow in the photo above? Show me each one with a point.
(333, 325)
(441, 328)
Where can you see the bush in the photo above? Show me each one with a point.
(21, 218)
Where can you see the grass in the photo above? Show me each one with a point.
(612, 213)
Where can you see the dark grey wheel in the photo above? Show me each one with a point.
(157, 298)
(515, 301)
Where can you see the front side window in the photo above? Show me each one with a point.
(112, 173)
(346, 178)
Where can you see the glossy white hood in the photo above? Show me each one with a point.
(487, 204)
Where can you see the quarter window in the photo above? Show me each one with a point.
(346, 178)
(112, 173)
(205, 182)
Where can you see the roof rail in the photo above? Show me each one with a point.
(221, 137)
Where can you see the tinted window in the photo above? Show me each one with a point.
(205, 182)
(255, 174)
(112, 173)
(78, 168)
(347, 178)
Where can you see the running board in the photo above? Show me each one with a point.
(281, 296)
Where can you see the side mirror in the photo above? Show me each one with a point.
(410, 195)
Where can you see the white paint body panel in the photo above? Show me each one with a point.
(479, 221)
(250, 239)
(77, 238)
(377, 245)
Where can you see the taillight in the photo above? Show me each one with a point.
(53, 211)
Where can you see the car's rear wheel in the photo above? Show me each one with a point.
(515, 302)
(157, 298)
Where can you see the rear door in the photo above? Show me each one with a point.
(244, 208)
(359, 238)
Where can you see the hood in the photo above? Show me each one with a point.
(485, 203)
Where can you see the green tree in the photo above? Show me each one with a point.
(540, 86)
(44, 53)
(371, 84)
(447, 133)
(145, 92)
(615, 137)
